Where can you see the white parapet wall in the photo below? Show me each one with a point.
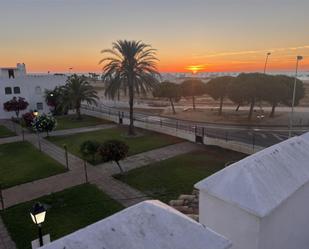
(231, 145)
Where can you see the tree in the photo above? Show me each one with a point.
(217, 89)
(299, 90)
(89, 148)
(274, 92)
(77, 90)
(56, 98)
(170, 91)
(235, 95)
(129, 66)
(247, 88)
(28, 119)
(15, 105)
(192, 88)
(114, 150)
(44, 123)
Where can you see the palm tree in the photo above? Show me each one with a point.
(77, 90)
(130, 66)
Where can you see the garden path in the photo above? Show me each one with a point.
(101, 175)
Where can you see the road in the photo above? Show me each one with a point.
(256, 135)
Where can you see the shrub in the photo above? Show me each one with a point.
(15, 105)
(28, 119)
(89, 148)
(114, 150)
(44, 123)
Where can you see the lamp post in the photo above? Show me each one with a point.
(36, 114)
(38, 213)
(298, 58)
(267, 55)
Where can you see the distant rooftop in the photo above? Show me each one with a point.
(147, 225)
(261, 182)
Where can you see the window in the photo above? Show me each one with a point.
(11, 73)
(38, 90)
(39, 106)
(8, 90)
(16, 90)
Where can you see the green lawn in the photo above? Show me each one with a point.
(5, 132)
(21, 162)
(67, 212)
(146, 141)
(167, 179)
(70, 122)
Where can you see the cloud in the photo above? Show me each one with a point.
(245, 52)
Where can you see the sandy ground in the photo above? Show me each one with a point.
(240, 117)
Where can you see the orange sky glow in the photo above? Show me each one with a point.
(226, 36)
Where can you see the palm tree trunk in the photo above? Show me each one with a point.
(221, 104)
(77, 107)
(172, 104)
(272, 114)
(78, 113)
(251, 108)
(193, 102)
(118, 164)
(131, 103)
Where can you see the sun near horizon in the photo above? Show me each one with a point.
(222, 36)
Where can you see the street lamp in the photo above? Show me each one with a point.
(298, 58)
(38, 213)
(36, 114)
(267, 55)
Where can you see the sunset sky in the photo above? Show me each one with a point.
(214, 35)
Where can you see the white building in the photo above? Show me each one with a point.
(262, 201)
(147, 225)
(14, 81)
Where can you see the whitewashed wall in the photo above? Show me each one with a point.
(239, 226)
(287, 227)
(28, 85)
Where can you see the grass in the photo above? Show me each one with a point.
(67, 212)
(166, 180)
(70, 122)
(21, 162)
(146, 141)
(5, 132)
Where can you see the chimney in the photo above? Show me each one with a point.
(21, 68)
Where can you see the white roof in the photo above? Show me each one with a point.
(261, 182)
(305, 136)
(147, 225)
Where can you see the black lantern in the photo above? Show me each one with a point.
(38, 213)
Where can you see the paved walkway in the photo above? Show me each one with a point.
(100, 175)
(82, 129)
(10, 139)
(5, 239)
(149, 157)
